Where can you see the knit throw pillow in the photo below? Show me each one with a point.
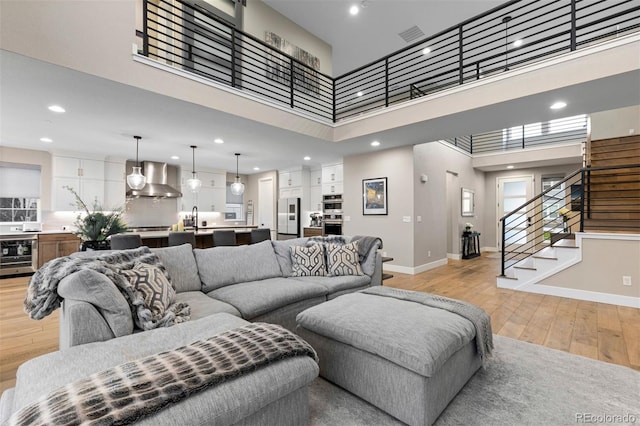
(343, 259)
(153, 285)
(308, 261)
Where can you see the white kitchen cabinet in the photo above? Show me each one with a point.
(212, 196)
(315, 177)
(115, 187)
(332, 188)
(332, 176)
(315, 198)
(85, 176)
(289, 179)
(332, 173)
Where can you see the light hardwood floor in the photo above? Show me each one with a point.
(605, 332)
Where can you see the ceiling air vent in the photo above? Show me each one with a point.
(411, 34)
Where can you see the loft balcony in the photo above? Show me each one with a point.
(507, 38)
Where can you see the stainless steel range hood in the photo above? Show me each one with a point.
(157, 175)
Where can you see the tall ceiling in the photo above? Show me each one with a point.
(374, 31)
(102, 115)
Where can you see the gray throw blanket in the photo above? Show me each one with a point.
(127, 392)
(42, 293)
(478, 317)
(365, 244)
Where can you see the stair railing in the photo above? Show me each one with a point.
(591, 198)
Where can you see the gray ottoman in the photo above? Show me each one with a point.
(407, 359)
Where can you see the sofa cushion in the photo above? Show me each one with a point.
(153, 285)
(222, 266)
(227, 403)
(202, 305)
(96, 289)
(181, 266)
(339, 283)
(343, 259)
(308, 261)
(283, 253)
(255, 298)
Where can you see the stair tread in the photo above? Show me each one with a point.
(528, 268)
(544, 257)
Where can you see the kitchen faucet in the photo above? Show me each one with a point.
(194, 217)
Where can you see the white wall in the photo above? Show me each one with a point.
(397, 166)
(441, 227)
(604, 263)
(615, 123)
(259, 17)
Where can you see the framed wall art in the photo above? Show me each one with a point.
(375, 197)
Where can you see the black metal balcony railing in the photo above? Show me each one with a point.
(590, 199)
(517, 33)
(561, 130)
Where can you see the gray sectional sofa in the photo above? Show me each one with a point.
(252, 282)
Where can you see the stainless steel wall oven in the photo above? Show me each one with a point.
(18, 254)
(332, 214)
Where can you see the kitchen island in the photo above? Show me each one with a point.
(204, 236)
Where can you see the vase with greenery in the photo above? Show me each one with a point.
(93, 227)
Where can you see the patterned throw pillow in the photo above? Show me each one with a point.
(153, 285)
(308, 261)
(343, 259)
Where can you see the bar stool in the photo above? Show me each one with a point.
(182, 237)
(260, 234)
(125, 241)
(224, 238)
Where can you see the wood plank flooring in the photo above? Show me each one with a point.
(595, 330)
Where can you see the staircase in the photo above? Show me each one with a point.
(613, 196)
(604, 197)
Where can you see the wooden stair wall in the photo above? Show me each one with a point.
(612, 197)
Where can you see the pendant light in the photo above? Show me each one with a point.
(136, 180)
(194, 183)
(237, 187)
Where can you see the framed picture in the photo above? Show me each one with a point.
(374, 196)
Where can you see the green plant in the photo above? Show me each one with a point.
(96, 225)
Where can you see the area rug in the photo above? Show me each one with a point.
(522, 384)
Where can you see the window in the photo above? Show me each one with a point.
(551, 203)
(515, 133)
(19, 193)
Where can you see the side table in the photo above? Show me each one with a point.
(470, 245)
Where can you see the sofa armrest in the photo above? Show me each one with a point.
(80, 323)
(376, 278)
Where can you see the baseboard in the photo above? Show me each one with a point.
(414, 270)
(454, 256)
(591, 296)
(483, 249)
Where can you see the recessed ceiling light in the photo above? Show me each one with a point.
(353, 10)
(56, 108)
(218, 141)
(375, 143)
(359, 94)
(558, 105)
(256, 168)
(307, 158)
(175, 157)
(47, 140)
(510, 167)
(426, 51)
(518, 43)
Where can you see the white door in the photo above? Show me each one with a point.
(265, 203)
(513, 192)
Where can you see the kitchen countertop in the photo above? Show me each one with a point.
(22, 233)
(208, 231)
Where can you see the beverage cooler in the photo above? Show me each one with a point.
(18, 254)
